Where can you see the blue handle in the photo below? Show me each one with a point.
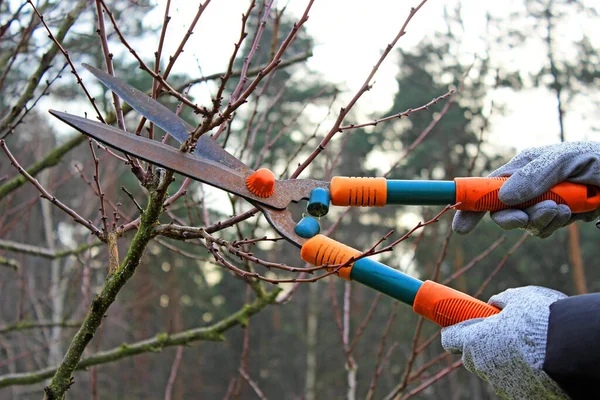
(387, 280)
(423, 193)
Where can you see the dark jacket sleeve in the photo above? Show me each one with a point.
(573, 347)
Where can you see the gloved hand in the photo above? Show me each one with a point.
(532, 172)
(508, 349)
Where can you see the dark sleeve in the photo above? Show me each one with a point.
(573, 347)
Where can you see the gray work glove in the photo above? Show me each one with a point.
(532, 172)
(508, 349)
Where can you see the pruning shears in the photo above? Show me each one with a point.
(211, 164)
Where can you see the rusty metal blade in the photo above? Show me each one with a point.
(167, 120)
(200, 169)
(283, 223)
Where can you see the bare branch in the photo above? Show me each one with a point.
(251, 72)
(378, 363)
(26, 325)
(45, 62)
(471, 264)
(365, 321)
(44, 252)
(501, 264)
(366, 86)
(435, 378)
(173, 374)
(76, 217)
(62, 378)
(252, 384)
(145, 67)
(431, 125)
(7, 262)
(100, 193)
(66, 55)
(109, 64)
(154, 344)
(401, 115)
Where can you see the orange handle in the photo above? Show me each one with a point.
(320, 250)
(366, 192)
(481, 194)
(446, 306)
(436, 302)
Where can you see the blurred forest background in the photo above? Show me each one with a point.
(246, 339)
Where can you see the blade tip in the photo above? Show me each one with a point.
(55, 113)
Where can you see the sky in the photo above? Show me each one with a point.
(350, 36)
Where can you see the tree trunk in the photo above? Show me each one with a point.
(312, 324)
(576, 260)
(55, 352)
(574, 246)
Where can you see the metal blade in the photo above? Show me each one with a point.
(167, 120)
(283, 223)
(200, 169)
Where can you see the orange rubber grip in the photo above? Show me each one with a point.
(446, 306)
(481, 194)
(364, 192)
(320, 250)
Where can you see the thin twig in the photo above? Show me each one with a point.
(270, 143)
(474, 261)
(501, 264)
(100, 193)
(115, 206)
(251, 72)
(45, 62)
(378, 363)
(434, 379)
(68, 58)
(365, 321)
(252, 384)
(128, 193)
(245, 349)
(76, 217)
(401, 115)
(26, 325)
(261, 27)
(145, 67)
(242, 98)
(173, 374)
(366, 86)
(109, 64)
(414, 377)
(45, 252)
(157, 57)
(431, 125)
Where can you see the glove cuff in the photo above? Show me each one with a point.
(537, 355)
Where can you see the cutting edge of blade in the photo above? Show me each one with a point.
(283, 223)
(133, 145)
(167, 120)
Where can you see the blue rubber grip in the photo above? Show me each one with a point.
(307, 227)
(318, 203)
(386, 280)
(421, 193)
